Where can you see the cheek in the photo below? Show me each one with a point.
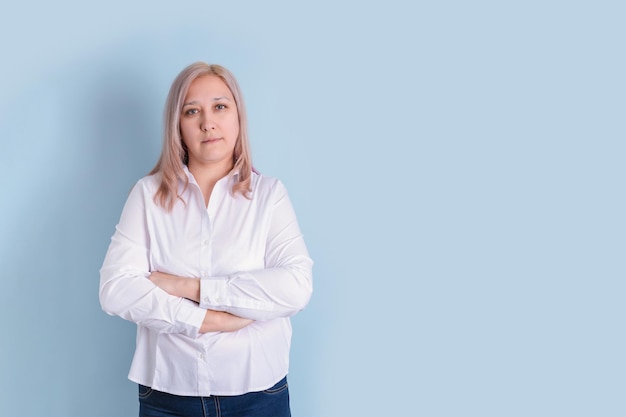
(234, 127)
(183, 138)
(185, 130)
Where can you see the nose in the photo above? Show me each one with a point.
(207, 124)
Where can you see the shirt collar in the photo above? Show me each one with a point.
(233, 175)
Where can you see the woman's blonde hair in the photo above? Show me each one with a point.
(174, 155)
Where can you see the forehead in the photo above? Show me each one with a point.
(208, 86)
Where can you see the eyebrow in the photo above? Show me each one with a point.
(191, 103)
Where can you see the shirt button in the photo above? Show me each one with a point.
(205, 242)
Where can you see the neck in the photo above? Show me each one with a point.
(207, 175)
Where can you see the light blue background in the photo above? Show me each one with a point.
(457, 169)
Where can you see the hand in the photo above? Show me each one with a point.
(177, 286)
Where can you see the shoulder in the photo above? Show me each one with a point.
(263, 184)
(266, 188)
(149, 182)
(145, 186)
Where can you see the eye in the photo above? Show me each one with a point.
(220, 107)
(190, 112)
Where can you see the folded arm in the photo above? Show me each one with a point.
(282, 288)
(126, 291)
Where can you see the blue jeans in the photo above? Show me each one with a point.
(273, 402)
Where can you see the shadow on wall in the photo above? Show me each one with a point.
(74, 145)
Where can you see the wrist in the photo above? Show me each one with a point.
(191, 289)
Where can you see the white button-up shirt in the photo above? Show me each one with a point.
(252, 262)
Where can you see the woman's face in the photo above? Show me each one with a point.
(209, 123)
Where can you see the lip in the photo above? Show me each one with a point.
(211, 140)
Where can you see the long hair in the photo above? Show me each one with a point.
(174, 155)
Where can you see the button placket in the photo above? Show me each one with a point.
(205, 247)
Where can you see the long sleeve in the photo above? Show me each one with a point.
(125, 289)
(283, 287)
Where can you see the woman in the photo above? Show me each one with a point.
(209, 261)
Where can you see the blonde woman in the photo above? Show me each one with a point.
(209, 262)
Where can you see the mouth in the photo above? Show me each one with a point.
(211, 140)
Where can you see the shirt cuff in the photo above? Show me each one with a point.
(223, 294)
(213, 293)
(190, 318)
